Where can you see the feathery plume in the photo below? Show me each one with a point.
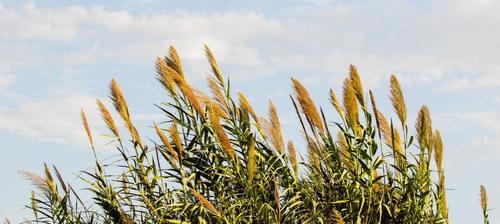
(221, 136)
(484, 203)
(49, 181)
(251, 162)
(350, 105)
(337, 217)
(165, 76)
(86, 126)
(174, 134)
(121, 106)
(108, 119)
(34, 205)
(424, 128)
(213, 64)
(336, 104)
(275, 132)
(35, 179)
(174, 61)
(397, 99)
(191, 97)
(443, 209)
(205, 202)
(292, 155)
(166, 142)
(356, 84)
(244, 104)
(438, 150)
(391, 136)
(307, 105)
(217, 92)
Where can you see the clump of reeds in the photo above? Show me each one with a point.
(217, 161)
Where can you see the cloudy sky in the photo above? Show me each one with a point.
(56, 58)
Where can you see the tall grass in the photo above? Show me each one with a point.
(217, 161)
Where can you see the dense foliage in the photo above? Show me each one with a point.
(217, 161)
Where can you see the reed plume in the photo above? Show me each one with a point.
(438, 150)
(164, 76)
(391, 136)
(424, 128)
(121, 106)
(214, 65)
(221, 136)
(307, 105)
(217, 92)
(397, 99)
(484, 203)
(350, 105)
(292, 156)
(174, 61)
(252, 160)
(356, 84)
(174, 134)
(274, 129)
(211, 208)
(108, 119)
(337, 217)
(87, 129)
(166, 142)
(336, 104)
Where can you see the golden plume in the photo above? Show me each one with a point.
(484, 199)
(191, 97)
(213, 64)
(207, 101)
(336, 104)
(165, 76)
(307, 105)
(337, 217)
(174, 134)
(351, 106)
(356, 84)
(251, 162)
(174, 61)
(221, 136)
(108, 119)
(391, 136)
(313, 153)
(166, 142)
(443, 209)
(122, 108)
(292, 155)
(86, 126)
(34, 205)
(438, 150)
(424, 128)
(274, 129)
(245, 105)
(211, 208)
(49, 181)
(344, 154)
(217, 92)
(397, 99)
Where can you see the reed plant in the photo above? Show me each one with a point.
(217, 161)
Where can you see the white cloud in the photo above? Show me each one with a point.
(51, 118)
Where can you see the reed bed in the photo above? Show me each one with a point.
(217, 161)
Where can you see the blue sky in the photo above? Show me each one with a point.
(58, 57)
